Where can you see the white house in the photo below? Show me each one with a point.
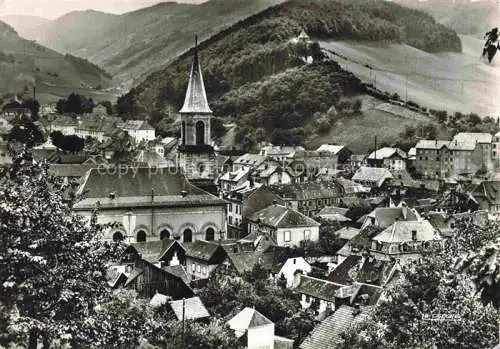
(284, 225)
(372, 177)
(391, 158)
(140, 130)
(259, 330)
(292, 268)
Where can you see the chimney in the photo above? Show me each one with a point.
(295, 261)
(404, 212)
(112, 195)
(356, 309)
(183, 193)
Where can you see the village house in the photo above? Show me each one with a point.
(371, 177)
(383, 217)
(257, 331)
(356, 161)
(139, 130)
(280, 154)
(272, 174)
(147, 279)
(284, 225)
(249, 161)
(291, 270)
(232, 180)
(390, 158)
(321, 294)
(145, 204)
(341, 152)
(202, 257)
(310, 197)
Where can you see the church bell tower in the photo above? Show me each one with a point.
(196, 154)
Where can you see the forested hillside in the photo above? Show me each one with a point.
(241, 64)
(24, 63)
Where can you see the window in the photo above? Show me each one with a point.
(164, 234)
(199, 268)
(193, 267)
(210, 234)
(230, 206)
(118, 236)
(231, 220)
(288, 236)
(141, 236)
(204, 270)
(200, 133)
(188, 235)
(307, 234)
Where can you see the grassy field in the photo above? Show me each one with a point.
(448, 81)
(358, 132)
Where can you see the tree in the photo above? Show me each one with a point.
(71, 143)
(53, 266)
(75, 103)
(26, 132)
(433, 306)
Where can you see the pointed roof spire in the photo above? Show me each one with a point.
(196, 97)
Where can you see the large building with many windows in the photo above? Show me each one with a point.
(147, 204)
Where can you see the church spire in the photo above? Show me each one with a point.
(196, 97)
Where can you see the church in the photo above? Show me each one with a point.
(149, 204)
(196, 154)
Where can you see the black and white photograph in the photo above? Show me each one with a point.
(249, 174)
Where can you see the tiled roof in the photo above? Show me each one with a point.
(177, 270)
(250, 160)
(331, 148)
(473, 137)
(193, 309)
(350, 187)
(401, 231)
(354, 202)
(70, 170)
(247, 318)
(279, 216)
(318, 288)
(137, 125)
(235, 176)
(158, 300)
(135, 186)
(201, 249)
(332, 210)
(149, 250)
(347, 233)
(488, 191)
(341, 274)
(375, 271)
(196, 97)
(371, 174)
(386, 216)
(385, 153)
(308, 190)
(327, 334)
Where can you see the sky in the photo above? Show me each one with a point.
(56, 8)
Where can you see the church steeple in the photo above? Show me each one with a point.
(196, 96)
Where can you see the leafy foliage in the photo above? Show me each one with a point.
(71, 143)
(433, 306)
(75, 103)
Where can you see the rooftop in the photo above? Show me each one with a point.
(318, 288)
(327, 334)
(193, 309)
(385, 153)
(247, 318)
(371, 174)
(308, 190)
(196, 97)
(401, 231)
(279, 216)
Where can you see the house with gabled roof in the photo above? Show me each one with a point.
(139, 130)
(284, 225)
(257, 331)
(372, 177)
(390, 158)
(203, 257)
(487, 194)
(147, 279)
